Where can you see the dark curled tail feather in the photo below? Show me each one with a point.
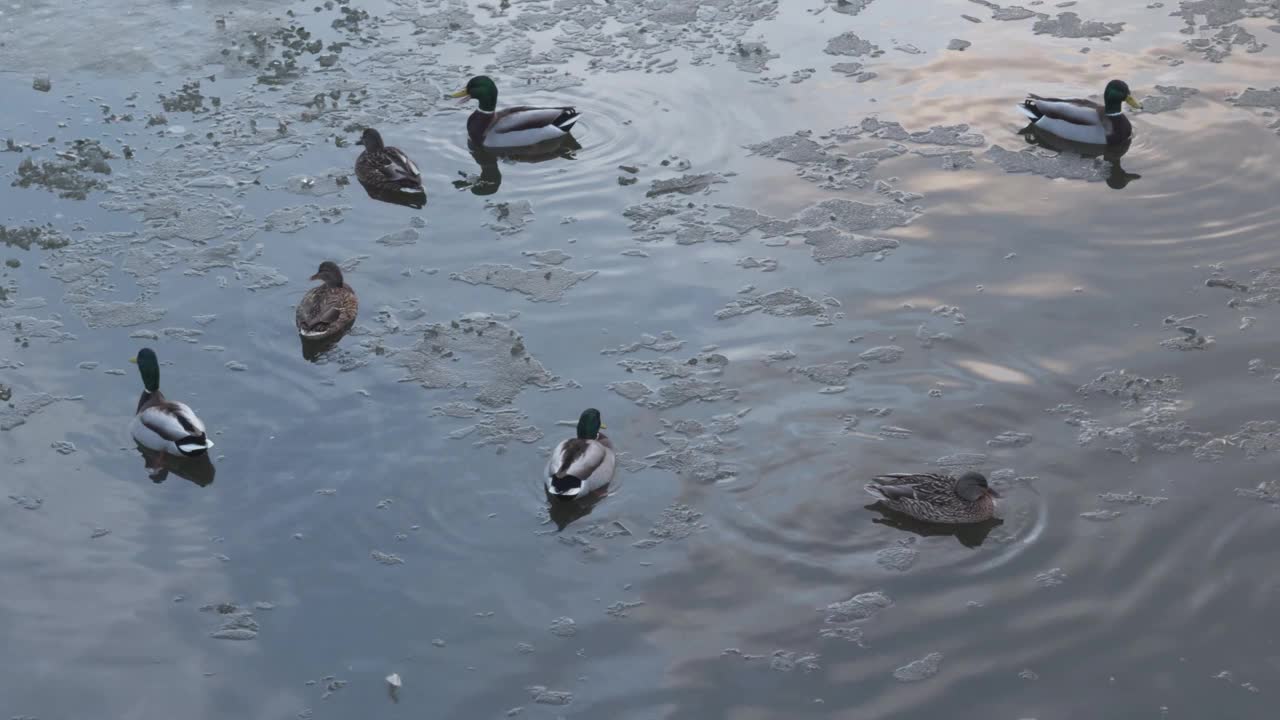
(897, 492)
(566, 119)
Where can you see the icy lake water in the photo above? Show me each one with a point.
(800, 244)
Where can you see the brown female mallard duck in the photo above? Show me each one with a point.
(582, 464)
(936, 498)
(328, 310)
(514, 127)
(1084, 121)
(385, 168)
(161, 424)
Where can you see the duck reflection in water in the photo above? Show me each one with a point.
(197, 470)
(1117, 177)
(416, 200)
(564, 513)
(490, 177)
(970, 535)
(313, 349)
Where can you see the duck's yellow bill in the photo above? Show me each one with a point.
(603, 426)
(1133, 103)
(133, 360)
(461, 93)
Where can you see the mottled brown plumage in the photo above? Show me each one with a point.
(936, 498)
(329, 310)
(384, 168)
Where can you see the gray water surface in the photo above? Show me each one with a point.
(800, 244)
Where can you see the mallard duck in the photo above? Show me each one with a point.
(514, 127)
(385, 168)
(1084, 121)
(327, 310)
(161, 424)
(581, 464)
(936, 498)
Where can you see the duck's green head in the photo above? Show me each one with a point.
(483, 89)
(1118, 92)
(589, 425)
(149, 368)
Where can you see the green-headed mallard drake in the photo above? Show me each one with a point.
(582, 464)
(161, 424)
(514, 127)
(1084, 121)
(385, 168)
(327, 310)
(936, 498)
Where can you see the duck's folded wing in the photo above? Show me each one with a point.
(400, 167)
(897, 492)
(1078, 112)
(172, 421)
(578, 458)
(309, 306)
(187, 417)
(557, 456)
(528, 118)
(323, 316)
(603, 474)
(317, 306)
(923, 487)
